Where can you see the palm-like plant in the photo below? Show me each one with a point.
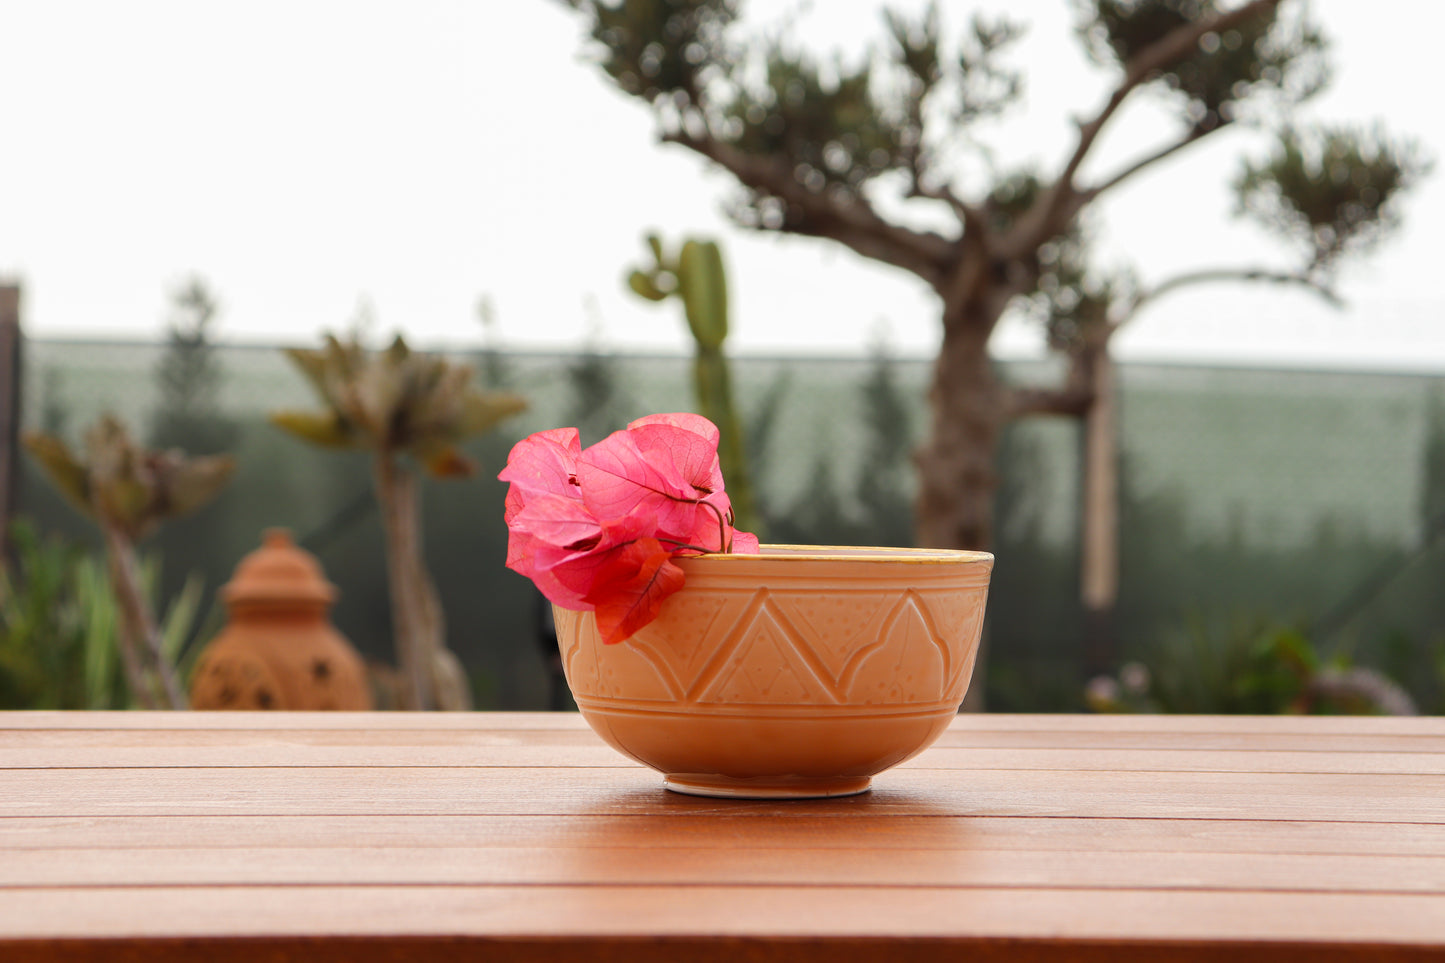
(128, 490)
(397, 403)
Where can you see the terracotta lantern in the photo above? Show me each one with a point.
(279, 649)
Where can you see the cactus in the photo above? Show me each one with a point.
(697, 278)
(128, 491)
(394, 403)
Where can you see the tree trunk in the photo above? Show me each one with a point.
(151, 682)
(432, 676)
(956, 477)
(396, 491)
(1099, 535)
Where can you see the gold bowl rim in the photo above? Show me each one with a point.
(848, 553)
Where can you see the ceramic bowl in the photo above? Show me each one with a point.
(798, 672)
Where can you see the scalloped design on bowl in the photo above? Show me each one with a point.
(798, 672)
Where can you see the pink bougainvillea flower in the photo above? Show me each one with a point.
(564, 549)
(745, 543)
(580, 567)
(544, 463)
(696, 424)
(597, 529)
(666, 470)
(541, 465)
(631, 587)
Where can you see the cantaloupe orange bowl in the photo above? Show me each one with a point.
(798, 672)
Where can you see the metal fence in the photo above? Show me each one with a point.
(1284, 495)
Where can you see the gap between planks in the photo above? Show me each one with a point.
(456, 790)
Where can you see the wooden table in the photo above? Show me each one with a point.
(331, 837)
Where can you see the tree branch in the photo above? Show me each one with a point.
(1058, 205)
(1148, 161)
(1304, 279)
(943, 193)
(1071, 400)
(854, 224)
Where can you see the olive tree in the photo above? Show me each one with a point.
(836, 149)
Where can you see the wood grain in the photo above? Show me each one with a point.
(746, 911)
(719, 830)
(238, 836)
(558, 865)
(546, 791)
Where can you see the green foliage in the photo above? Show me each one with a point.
(848, 148)
(1262, 55)
(983, 87)
(496, 368)
(42, 631)
(392, 403)
(827, 125)
(871, 503)
(884, 486)
(661, 49)
(122, 485)
(395, 401)
(1432, 488)
(1011, 197)
(1248, 666)
(838, 125)
(598, 404)
(1334, 190)
(60, 627)
(54, 412)
(1076, 301)
(128, 491)
(189, 376)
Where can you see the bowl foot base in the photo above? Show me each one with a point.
(722, 787)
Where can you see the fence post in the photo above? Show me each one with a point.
(10, 362)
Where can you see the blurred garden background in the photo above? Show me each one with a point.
(1272, 445)
(1255, 500)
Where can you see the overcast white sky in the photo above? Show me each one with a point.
(304, 155)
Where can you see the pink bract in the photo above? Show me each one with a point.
(596, 529)
(544, 463)
(669, 472)
(632, 586)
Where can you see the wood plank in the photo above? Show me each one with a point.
(1140, 837)
(754, 912)
(560, 865)
(455, 790)
(740, 830)
(268, 751)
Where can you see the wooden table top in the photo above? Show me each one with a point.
(499, 836)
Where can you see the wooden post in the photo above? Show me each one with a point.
(9, 411)
(1099, 551)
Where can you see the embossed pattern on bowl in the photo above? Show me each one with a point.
(801, 671)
